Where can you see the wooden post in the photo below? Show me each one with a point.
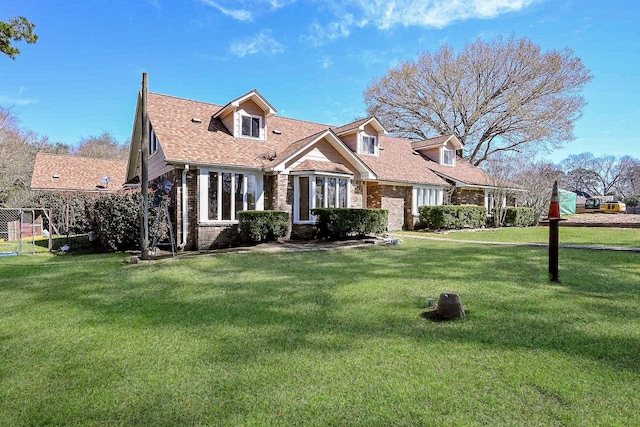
(554, 233)
(144, 171)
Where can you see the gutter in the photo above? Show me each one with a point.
(183, 243)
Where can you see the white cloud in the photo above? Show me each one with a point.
(386, 14)
(262, 42)
(19, 99)
(326, 62)
(239, 14)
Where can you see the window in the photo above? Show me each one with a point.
(228, 193)
(426, 196)
(368, 145)
(153, 140)
(251, 126)
(448, 157)
(318, 192)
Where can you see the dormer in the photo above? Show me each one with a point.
(246, 117)
(362, 136)
(441, 149)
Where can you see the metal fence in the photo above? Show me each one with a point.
(22, 231)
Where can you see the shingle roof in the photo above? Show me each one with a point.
(310, 165)
(397, 162)
(463, 172)
(57, 172)
(209, 142)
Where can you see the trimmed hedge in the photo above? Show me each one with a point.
(340, 223)
(452, 217)
(261, 226)
(519, 217)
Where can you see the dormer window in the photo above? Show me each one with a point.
(369, 145)
(251, 126)
(448, 157)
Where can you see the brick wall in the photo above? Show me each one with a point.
(215, 236)
(467, 197)
(396, 199)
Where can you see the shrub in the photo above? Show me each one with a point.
(452, 217)
(520, 217)
(116, 220)
(339, 223)
(632, 201)
(71, 212)
(260, 226)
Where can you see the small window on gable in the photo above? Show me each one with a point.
(369, 145)
(448, 157)
(153, 140)
(251, 126)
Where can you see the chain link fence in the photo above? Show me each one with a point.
(22, 231)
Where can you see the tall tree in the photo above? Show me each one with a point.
(104, 146)
(500, 96)
(16, 29)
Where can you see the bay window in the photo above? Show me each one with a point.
(318, 191)
(225, 193)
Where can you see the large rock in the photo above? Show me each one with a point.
(449, 306)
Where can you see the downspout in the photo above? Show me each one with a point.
(183, 243)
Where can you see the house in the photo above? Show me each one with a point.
(224, 159)
(53, 172)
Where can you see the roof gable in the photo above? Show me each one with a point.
(359, 125)
(254, 96)
(298, 147)
(437, 142)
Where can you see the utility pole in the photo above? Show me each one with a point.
(144, 171)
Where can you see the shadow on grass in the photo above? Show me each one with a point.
(251, 305)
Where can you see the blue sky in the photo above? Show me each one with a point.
(311, 59)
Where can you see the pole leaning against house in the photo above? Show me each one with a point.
(144, 172)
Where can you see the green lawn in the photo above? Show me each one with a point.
(624, 237)
(321, 338)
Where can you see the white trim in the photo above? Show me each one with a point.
(313, 196)
(376, 144)
(244, 114)
(425, 195)
(203, 185)
(445, 150)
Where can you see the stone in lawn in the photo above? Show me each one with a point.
(449, 306)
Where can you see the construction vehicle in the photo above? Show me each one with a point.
(596, 204)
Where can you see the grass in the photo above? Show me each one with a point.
(321, 338)
(600, 236)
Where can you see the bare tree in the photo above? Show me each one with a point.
(594, 175)
(536, 179)
(104, 146)
(502, 96)
(18, 148)
(629, 183)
